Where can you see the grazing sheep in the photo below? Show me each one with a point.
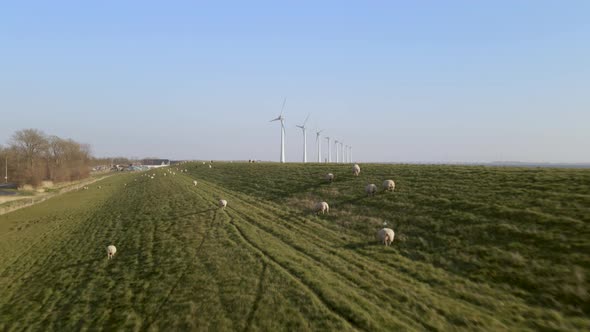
(385, 236)
(99, 187)
(209, 166)
(388, 185)
(85, 188)
(356, 169)
(329, 177)
(111, 251)
(322, 207)
(222, 203)
(195, 182)
(371, 189)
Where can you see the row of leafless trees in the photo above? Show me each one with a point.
(32, 157)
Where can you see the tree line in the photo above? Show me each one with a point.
(33, 156)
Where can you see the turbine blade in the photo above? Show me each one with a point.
(307, 118)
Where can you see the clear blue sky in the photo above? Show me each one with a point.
(400, 81)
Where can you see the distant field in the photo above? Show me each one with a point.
(476, 248)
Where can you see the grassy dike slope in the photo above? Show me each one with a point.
(476, 248)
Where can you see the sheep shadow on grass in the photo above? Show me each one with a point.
(360, 245)
(77, 264)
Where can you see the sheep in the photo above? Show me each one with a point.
(322, 207)
(99, 187)
(111, 251)
(85, 188)
(329, 177)
(371, 189)
(356, 169)
(388, 185)
(222, 203)
(385, 236)
(209, 166)
(195, 182)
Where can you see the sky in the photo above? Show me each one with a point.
(399, 81)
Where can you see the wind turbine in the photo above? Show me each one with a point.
(329, 149)
(336, 147)
(282, 119)
(341, 152)
(304, 139)
(350, 155)
(317, 139)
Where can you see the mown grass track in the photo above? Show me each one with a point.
(476, 249)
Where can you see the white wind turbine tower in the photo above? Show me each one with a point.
(282, 119)
(304, 139)
(336, 148)
(329, 149)
(341, 152)
(350, 154)
(319, 141)
(346, 153)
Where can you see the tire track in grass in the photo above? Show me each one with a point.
(257, 250)
(285, 270)
(259, 294)
(182, 275)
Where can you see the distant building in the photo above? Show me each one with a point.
(155, 163)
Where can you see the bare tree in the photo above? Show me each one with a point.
(35, 157)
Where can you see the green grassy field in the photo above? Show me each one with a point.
(476, 248)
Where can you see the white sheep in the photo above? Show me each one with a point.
(322, 207)
(385, 236)
(111, 251)
(222, 203)
(388, 185)
(209, 166)
(99, 187)
(356, 169)
(371, 189)
(195, 182)
(329, 177)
